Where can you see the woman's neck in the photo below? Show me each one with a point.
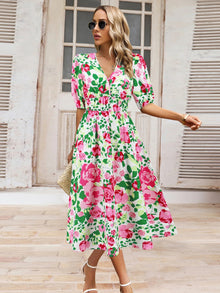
(104, 52)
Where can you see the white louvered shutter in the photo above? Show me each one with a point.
(7, 37)
(191, 159)
(20, 41)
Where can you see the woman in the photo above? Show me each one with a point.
(115, 199)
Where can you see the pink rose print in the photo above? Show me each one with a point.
(84, 245)
(119, 158)
(86, 67)
(124, 134)
(120, 196)
(138, 147)
(162, 200)
(119, 215)
(79, 145)
(113, 79)
(107, 175)
(147, 177)
(141, 232)
(111, 241)
(110, 213)
(115, 166)
(85, 91)
(105, 113)
(92, 56)
(74, 188)
(132, 215)
(107, 137)
(149, 195)
(167, 234)
(90, 172)
(102, 228)
(126, 208)
(150, 218)
(123, 95)
(95, 212)
(108, 193)
(113, 232)
(102, 89)
(125, 85)
(94, 195)
(91, 96)
(96, 151)
(71, 236)
(82, 156)
(165, 216)
(90, 220)
(135, 185)
(147, 245)
(104, 100)
(102, 246)
(125, 232)
(76, 234)
(116, 108)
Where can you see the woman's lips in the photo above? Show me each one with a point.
(96, 37)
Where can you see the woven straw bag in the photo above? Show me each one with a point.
(64, 180)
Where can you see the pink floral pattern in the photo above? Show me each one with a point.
(115, 198)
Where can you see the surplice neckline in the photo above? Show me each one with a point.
(116, 66)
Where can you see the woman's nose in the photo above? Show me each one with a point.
(97, 24)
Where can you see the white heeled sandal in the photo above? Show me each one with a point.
(86, 263)
(124, 285)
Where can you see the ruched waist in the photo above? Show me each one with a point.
(104, 111)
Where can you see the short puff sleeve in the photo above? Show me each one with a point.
(142, 90)
(77, 83)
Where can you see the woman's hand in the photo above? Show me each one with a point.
(192, 121)
(70, 156)
(152, 109)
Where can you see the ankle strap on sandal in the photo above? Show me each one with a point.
(123, 285)
(90, 265)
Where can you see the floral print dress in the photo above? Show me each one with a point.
(115, 198)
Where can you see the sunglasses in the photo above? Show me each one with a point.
(102, 24)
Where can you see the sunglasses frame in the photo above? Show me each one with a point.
(94, 24)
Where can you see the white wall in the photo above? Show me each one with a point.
(21, 115)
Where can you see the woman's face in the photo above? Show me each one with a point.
(101, 36)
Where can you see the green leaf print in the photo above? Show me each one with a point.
(135, 196)
(95, 76)
(129, 169)
(134, 174)
(127, 177)
(142, 222)
(135, 82)
(82, 219)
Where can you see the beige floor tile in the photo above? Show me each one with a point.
(34, 255)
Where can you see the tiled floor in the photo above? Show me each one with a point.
(35, 258)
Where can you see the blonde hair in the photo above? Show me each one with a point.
(119, 33)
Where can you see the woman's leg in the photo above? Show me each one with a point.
(120, 268)
(90, 272)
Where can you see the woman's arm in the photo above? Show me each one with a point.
(152, 109)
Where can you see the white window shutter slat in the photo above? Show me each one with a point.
(193, 160)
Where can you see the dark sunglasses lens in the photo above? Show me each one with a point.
(91, 25)
(102, 24)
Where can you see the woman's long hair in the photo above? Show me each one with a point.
(119, 33)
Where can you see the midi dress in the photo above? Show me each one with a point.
(115, 198)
